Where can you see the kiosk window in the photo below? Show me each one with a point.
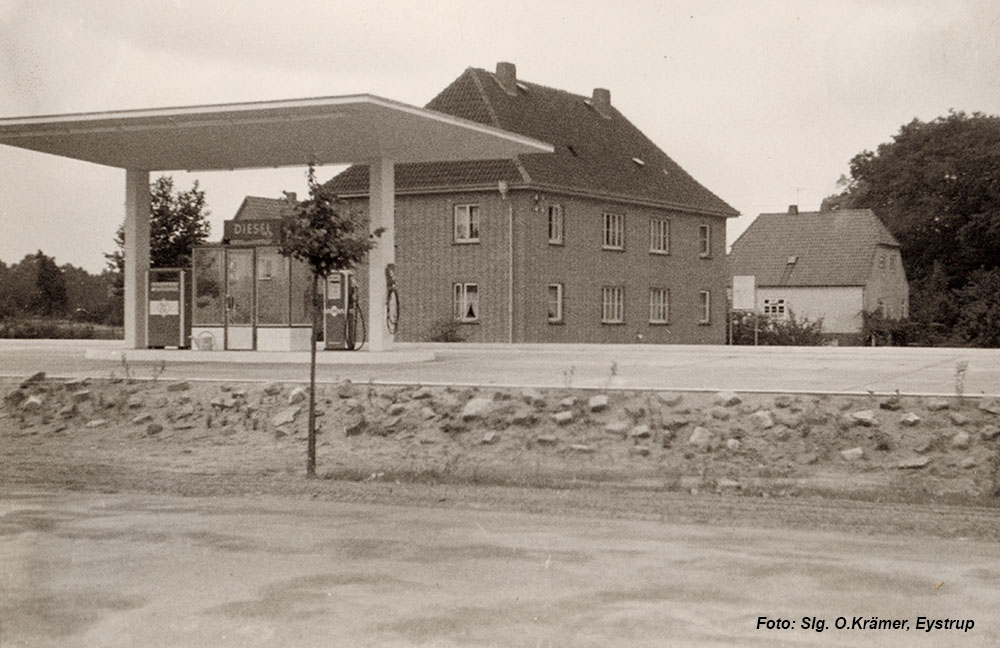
(272, 287)
(301, 287)
(209, 287)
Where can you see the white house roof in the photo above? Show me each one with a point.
(296, 132)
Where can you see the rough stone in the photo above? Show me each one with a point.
(675, 423)
(96, 423)
(909, 419)
(569, 401)
(968, 462)
(490, 438)
(640, 432)
(957, 418)
(864, 417)
(523, 415)
(780, 433)
(670, 399)
(563, 418)
(476, 408)
(422, 393)
(728, 484)
(913, 463)
(427, 413)
(642, 451)
(286, 415)
(135, 403)
(810, 458)
(617, 427)
(354, 424)
(990, 432)
(80, 395)
(33, 379)
(960, 441)
(15, 396)
(185, 412)
(223, 402)
(397, 409)
(720, 413)
(581, 448)
(68, 411)
(346, 389)
(179, 385)
(532, 397)
(297, 395)
(891, 404)
(32, 404)
(635, 410)
(937, 404)
(272, 389)
(852, 454)
(154, 428)
(598, 403)
(923, 446)
(546, 439)
(990, 405)
(783, 401)
(762, 419)
(142, 418)
(733, 445)
(727, 399)
(701, 438)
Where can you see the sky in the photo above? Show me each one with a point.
(764, 102)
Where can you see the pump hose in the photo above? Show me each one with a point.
(392, 310)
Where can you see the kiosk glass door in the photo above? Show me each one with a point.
(239, 299)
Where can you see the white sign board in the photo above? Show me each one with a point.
(744, 293)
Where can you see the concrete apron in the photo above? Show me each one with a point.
(361, 357)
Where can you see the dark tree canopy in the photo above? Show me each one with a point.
(178, 222)
(936, 186)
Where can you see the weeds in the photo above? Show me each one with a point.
(568, 376)
(960, 370)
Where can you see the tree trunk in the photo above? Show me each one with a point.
(311, 452)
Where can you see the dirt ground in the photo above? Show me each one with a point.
(873, 464)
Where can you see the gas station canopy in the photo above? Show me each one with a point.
(296, 132)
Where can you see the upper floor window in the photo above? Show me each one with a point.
(659, 235)
(613, 304)
(555, 303)
(704, 241)
(659, 305)
(555, 224)
(466, 223)
(466, 302)
(706, 307)
(614, 231)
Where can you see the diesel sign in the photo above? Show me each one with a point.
(252, 230)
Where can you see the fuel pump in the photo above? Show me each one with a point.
(343, 326)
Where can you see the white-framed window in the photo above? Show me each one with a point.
(706, 306)
(659, 235)
(704, 241)
(614, 231)
(555, 225)
(774, 307)
(555, 303)
(659, 305)
(613, 304)
(466, 223)
(466, 302)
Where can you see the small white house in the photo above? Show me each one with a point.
(832, 265)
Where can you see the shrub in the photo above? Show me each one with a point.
(790, 331)
(445, 330)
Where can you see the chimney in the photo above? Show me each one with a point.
(290, 196)
(793, 210)
(601, 101)
(507, 77)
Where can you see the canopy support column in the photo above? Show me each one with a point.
(137, 208)
(381, 213)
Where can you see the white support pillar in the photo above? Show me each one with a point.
(381, 213)
(136, 256)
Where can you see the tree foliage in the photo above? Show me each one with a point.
(178, 222)
(776, 331)
(37, 287)
(936, 186)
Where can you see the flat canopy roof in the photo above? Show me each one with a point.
(354, 129)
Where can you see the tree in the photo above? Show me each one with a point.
(936, 186)
(50, 286)
(178, 222)
(327, 236)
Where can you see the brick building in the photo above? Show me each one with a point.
(606, 240)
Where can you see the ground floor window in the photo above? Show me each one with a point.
(466, 302)
(659, 305)
(613, 304)
(555, 303)
(774, 307)
(706, 307)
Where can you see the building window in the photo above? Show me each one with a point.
(774, 307)
(467, 302)
(613, 304)
(659, 305)
(706, 307)
(555, 303)
(555, 225)
(704, 241)
(466, 223)
(614, 232)
(659, 235)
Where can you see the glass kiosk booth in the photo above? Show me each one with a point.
(247, 296)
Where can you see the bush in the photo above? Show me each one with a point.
(445, 330)
(55, 329)
(790, 331)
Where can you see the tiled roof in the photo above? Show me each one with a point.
(834, 248)
(258, 208)
(593, 154)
